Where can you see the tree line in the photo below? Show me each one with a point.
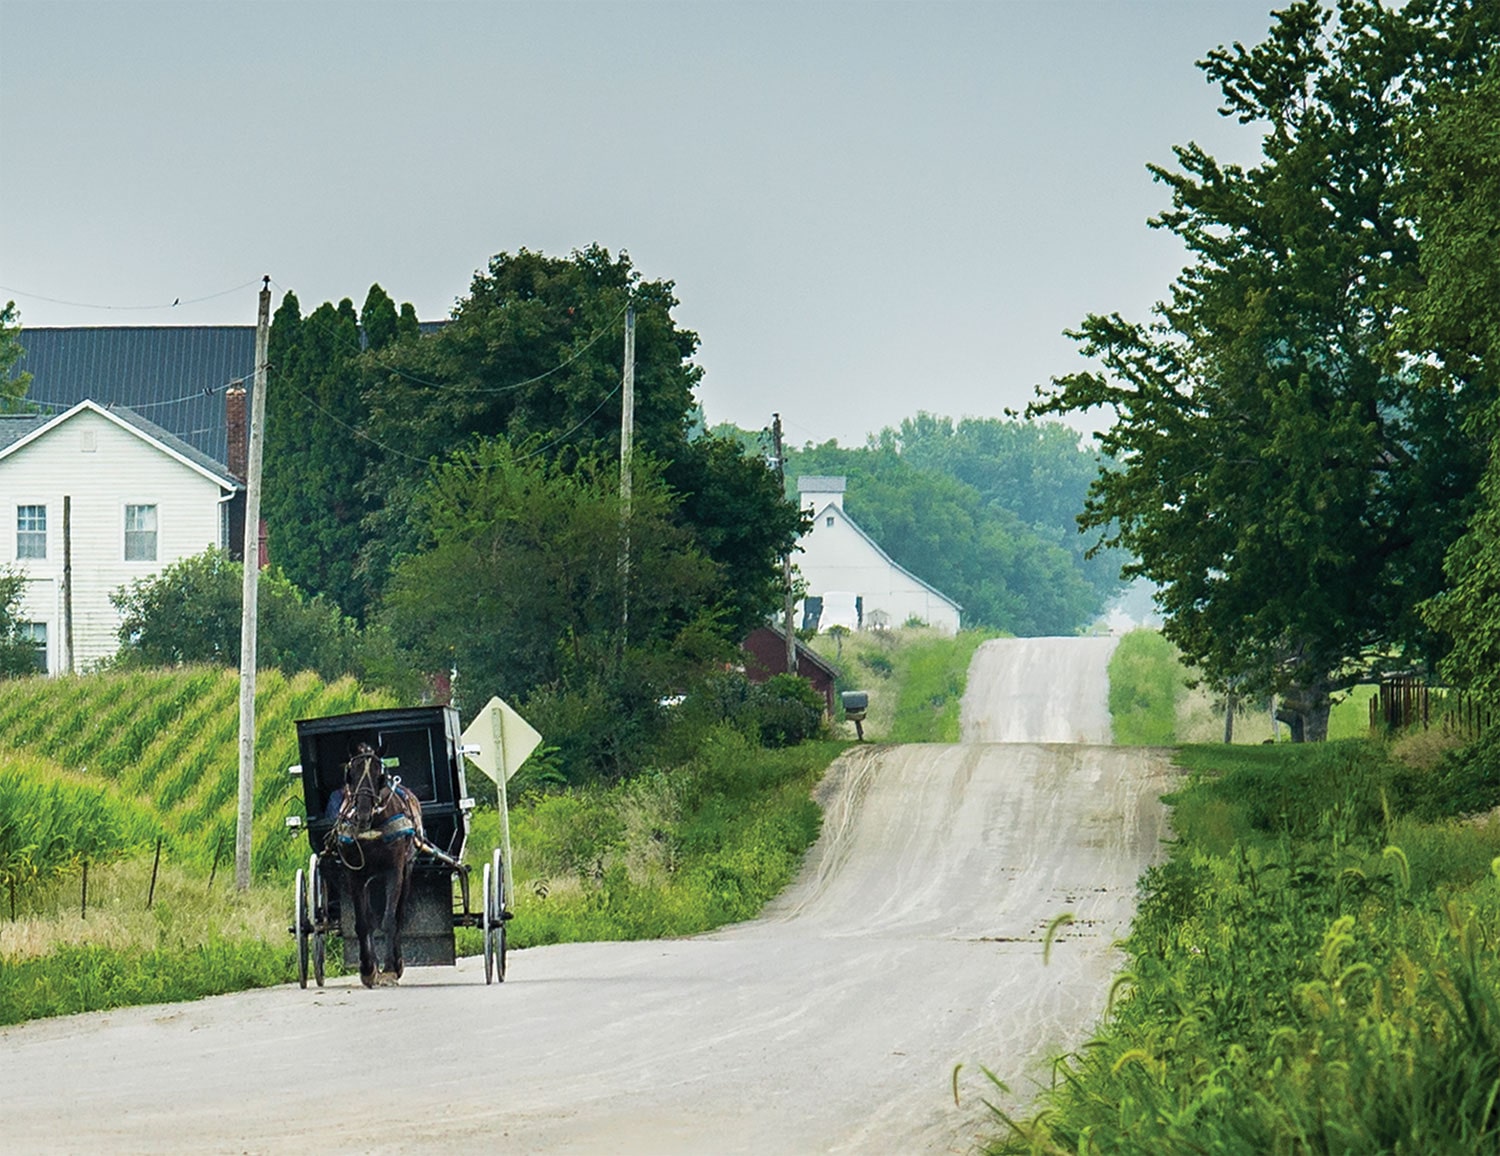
(448, 502)
(1303, 440)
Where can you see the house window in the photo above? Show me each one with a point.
(140, 533)
(830, 520)
(31, 531)
(36, 634)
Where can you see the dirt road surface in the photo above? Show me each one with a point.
(910, 944)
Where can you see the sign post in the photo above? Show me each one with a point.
(498, 741)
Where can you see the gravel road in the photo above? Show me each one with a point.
(910, 944)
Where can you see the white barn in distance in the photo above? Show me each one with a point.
(855, 582)
(137, 498)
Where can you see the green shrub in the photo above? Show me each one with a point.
(782, 711)
(1465, 781)
(786, 710)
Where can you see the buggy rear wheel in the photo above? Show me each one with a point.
(318, 891)
(301, 925)
(494, 943)
(485, 907)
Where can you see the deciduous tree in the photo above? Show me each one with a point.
(533, 354)
(1285, 483)
(1452, 336)
(519, 587)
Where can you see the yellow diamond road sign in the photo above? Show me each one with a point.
(503, 739)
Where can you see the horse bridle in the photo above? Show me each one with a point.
(370, 765)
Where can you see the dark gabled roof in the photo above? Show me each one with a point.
(172, 375)
(812, 656)
(16, 430)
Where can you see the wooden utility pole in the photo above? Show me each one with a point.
(67, 585)
(250, 597)
(786, 559)
(627, 445)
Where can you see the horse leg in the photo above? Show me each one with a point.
(401, 881)
(364, 928)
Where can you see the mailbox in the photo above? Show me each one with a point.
(856, 702)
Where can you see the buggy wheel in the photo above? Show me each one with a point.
(495, 941)
(318, 888)
(300, 925)
(485, 907)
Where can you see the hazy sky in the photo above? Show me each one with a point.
(868, 208)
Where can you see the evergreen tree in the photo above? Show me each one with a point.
(318, 454)
(13, 384)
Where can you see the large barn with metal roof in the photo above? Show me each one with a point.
(173, 375)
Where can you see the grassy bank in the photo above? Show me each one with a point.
(1311, 970)
(933, 673)
(667, 853)
(194, 940)
(1147, 684)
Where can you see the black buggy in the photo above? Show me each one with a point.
(422, 747)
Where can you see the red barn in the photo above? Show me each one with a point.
(765, 655)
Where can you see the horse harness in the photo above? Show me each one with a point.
(347, 835)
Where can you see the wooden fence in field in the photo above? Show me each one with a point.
(1405, 701)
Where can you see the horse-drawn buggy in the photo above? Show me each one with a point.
(387, 819)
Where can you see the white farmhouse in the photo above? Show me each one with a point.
(850, 580)
(91, 499)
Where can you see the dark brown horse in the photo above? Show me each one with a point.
(376, 835)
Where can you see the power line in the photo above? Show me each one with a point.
(603, 332)
(178, 303)
(209, 391)
(562, 437)
(383, 448)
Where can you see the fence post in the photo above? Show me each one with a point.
(155, 863)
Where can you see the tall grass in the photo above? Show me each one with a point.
(1310, 971)
(670, 852)
(190, 942)
(1145, 687)
(931, 674)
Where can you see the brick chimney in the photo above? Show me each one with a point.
(236, 431)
